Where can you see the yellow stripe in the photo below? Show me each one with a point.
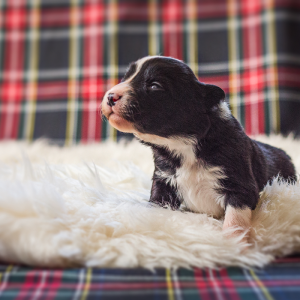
(271, 38)
(33, 72)
(7, 270)
(152, 8)
(72, 84)
(87, 284)
(169, 285)
(113, 50)
(261, 285)
(193, 41)
(233, 57)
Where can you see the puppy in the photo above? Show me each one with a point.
(201, 153)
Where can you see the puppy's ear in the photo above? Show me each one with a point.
(213, 95)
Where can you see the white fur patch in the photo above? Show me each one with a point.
(224, 109)
(139, 64)
(196, 183)
(141, 61)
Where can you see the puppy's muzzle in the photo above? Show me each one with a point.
(112, 98)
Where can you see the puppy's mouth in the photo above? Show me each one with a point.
(115, 116)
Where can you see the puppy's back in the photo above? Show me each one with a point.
(277, 162)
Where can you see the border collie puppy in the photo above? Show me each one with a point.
(201, 153)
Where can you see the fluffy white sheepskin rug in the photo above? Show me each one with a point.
(87, 205)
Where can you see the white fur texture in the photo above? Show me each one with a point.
(192, 179)
(87, 205)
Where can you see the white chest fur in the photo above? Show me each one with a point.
(196, 183)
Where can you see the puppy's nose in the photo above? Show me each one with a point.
(112, 98)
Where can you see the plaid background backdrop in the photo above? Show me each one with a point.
(58, 57)
(278, 281)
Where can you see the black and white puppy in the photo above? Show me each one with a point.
(201, 153)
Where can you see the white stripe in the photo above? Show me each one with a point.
(253, 285)
(79, 285)
(57, 107)
(39, 288)
(215, 285)
(47, 107)
(176, 285)
(289, 95)
(94, 70)
(88, 71)
(5, 279)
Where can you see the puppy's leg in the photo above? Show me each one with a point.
(237, 218)
(163, 194)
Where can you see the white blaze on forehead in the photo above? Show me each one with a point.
(140, 62)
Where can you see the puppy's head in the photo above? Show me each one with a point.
(161, 96)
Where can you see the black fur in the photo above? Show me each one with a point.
(167, 100)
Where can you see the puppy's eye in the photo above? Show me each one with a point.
(155, 86)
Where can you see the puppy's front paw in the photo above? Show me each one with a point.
(239, 233)
(237, 224)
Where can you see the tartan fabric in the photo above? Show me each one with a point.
(280, 280)
(58, 57)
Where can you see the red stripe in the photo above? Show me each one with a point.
(221, 81)
(15, 18)
(253, 78)
(53, 287)
(9, 120)
(228, 284)
(2, 122)
(52, 90)
(31, 280)
(55, 17)
(135, 11)
(215, 284)
(91, 86)
(212, 8)
(288, 260)
(287, 4)
(201, 284)
(261, 117)
(11, 91)
(288, 76)
(172, 15)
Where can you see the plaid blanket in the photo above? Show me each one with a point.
(280, 280)
(58, 57)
